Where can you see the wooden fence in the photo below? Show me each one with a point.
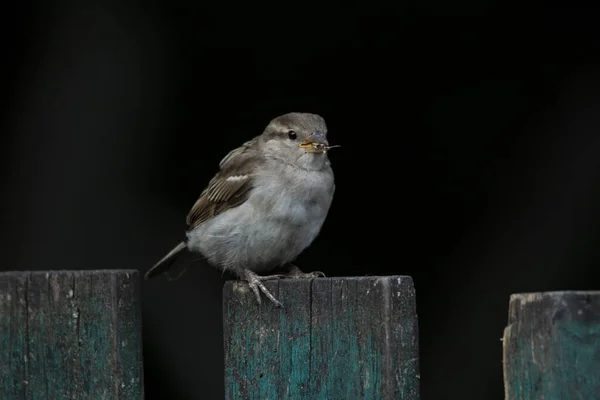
(70, 335)
(77, 335)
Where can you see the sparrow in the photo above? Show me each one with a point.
(265, 205)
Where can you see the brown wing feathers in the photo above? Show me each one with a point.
(228, 189)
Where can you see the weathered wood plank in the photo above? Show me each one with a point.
(336, 338)
(552, 346)
(70, 335)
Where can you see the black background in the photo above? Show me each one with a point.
(470, 158)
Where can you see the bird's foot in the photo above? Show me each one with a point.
(255, 282)
(295, 272)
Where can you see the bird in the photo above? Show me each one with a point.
(266, 204)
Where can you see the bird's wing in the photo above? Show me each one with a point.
(229, 188)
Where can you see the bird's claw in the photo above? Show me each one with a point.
(295, 272)
(255, 282)
(306, 275)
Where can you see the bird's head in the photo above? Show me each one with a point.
(297, 138)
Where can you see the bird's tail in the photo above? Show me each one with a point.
(163, 265)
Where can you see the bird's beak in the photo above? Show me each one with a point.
(316, 143)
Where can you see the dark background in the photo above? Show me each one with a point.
(470, 159)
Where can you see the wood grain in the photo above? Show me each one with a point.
(336, 338)
(552, 346)
(70, 335)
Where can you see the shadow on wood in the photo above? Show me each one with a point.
(70, 335)
(336, 338)
(552, 346)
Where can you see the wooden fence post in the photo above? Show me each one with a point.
(552, 346)
(70, 335)
(336, 338)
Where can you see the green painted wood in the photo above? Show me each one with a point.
(336, 338)
(552, 346)
(70, 335)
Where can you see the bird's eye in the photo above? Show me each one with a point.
(292, 135)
